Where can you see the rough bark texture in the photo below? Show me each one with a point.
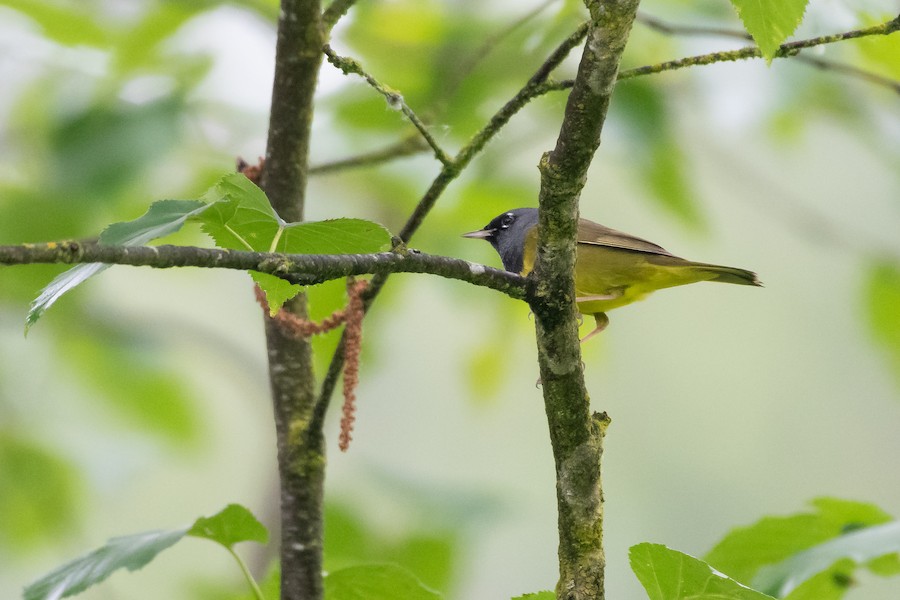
(303, 269)
(576, 434)
(301, 449)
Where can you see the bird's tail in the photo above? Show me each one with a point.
(729, 274)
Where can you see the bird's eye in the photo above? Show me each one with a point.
(507, 220)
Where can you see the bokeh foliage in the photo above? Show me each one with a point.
(110, 116)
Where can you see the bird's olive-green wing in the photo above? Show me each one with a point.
(599, 235)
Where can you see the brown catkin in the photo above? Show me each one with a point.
(352, 347)
(352, 315)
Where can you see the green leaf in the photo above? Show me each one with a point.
(66, 25)
(667, 574)
(745, 550)
(129, 374)
(880, 52)
(830, 584)
(103, 149)
(665, 177)
(882, 297)
(277, 290)
(241, 218)
(229, 526)
(655, 150)
(770, 22)
(376, 582)
(861, 546)
(163, 217)
(352, 540)
(545, 595)
(886, 566)
(238, 216)
(224, 589)
(139, 45)
(131, 552)
(38, 494)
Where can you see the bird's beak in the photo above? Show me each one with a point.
(480, 234)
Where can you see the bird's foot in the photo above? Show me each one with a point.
(602, 321)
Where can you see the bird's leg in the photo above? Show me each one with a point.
(602, 321)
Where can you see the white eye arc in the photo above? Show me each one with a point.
(507, 220)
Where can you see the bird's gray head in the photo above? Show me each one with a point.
(506, 233)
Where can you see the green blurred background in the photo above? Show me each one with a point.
(140, 400)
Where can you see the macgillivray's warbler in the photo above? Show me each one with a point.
(612, 268)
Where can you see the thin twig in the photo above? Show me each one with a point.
(821, 63)
(667, 28)
(334, 12)
(785, 50)
(851, 71)
(394, 98)
(488, 46)
(405, 147)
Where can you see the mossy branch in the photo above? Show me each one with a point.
(301, 449)
(303, 269)
(575, 434)
(820, 63)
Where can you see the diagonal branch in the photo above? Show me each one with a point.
(479, 54)
(536, 86)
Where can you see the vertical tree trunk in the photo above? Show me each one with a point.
(301, 451)
(576, 434)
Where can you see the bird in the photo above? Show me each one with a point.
(612, 268)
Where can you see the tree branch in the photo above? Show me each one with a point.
(575, 434)
(303, 269)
